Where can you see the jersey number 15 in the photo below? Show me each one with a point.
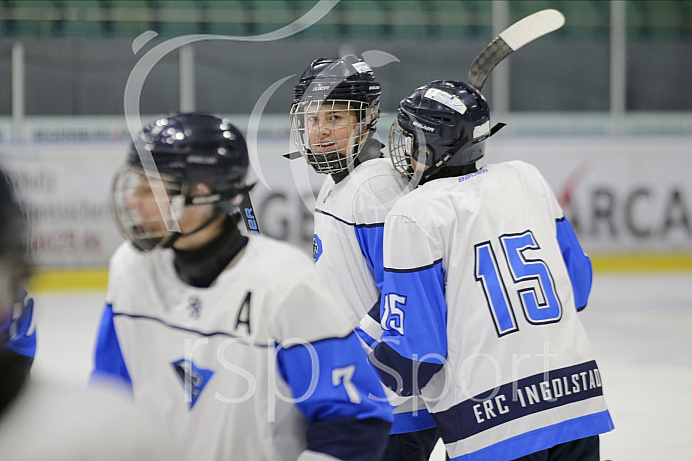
(532, 281)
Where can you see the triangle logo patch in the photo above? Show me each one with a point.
(193, 379)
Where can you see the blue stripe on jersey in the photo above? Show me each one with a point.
(412, 422)
(317, 210)
(404, 376)
(332, 379)
(108, 358)
(517, 399)
(370, 240)
(322, 212)
(414, 320)
(366, 338)
(415, 269)
(374, 312)
(370, 330)
(578, 264)
(21, 336)
(191, 330)
(544, 438)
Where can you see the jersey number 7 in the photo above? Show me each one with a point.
(531, 279)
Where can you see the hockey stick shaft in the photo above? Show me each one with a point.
(511, 39)
(248, 213)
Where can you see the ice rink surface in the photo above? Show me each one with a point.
(640, 328)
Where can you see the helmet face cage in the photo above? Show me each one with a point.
(400, 147)
(344, 87)
(403, 147)
(329, 134)
(145, 207)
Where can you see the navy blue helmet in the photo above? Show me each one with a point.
(179, 152)
(443, 123)
(347, 78)
(196, 148)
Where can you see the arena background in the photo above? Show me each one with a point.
(602, 107)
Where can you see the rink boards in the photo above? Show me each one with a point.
(628, 198)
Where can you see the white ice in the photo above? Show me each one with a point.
(640, 328)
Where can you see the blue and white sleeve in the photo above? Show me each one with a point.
(413, 310)
(413, 346)
(348, 414)
(370, 240)
(578, 263)
(109, 362)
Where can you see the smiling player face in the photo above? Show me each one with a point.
(332, 128)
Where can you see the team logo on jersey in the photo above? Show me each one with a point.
(194, 307)
(192, 378)
(316, 247)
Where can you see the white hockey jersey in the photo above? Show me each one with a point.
(349, 221)
(251, 368)
(483, 280)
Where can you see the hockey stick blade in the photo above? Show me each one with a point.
(511, 39)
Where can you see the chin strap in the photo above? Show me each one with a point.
(218, 197)
(228, 195)
(175, 236)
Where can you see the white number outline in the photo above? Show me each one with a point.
(344, 376)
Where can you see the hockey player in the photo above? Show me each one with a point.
(333, 119)
(41, 420)
(483, 280)
(235, 340)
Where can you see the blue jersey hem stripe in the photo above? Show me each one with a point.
(412, 422)
(414, 269)
(517, 399)
(543, 438)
